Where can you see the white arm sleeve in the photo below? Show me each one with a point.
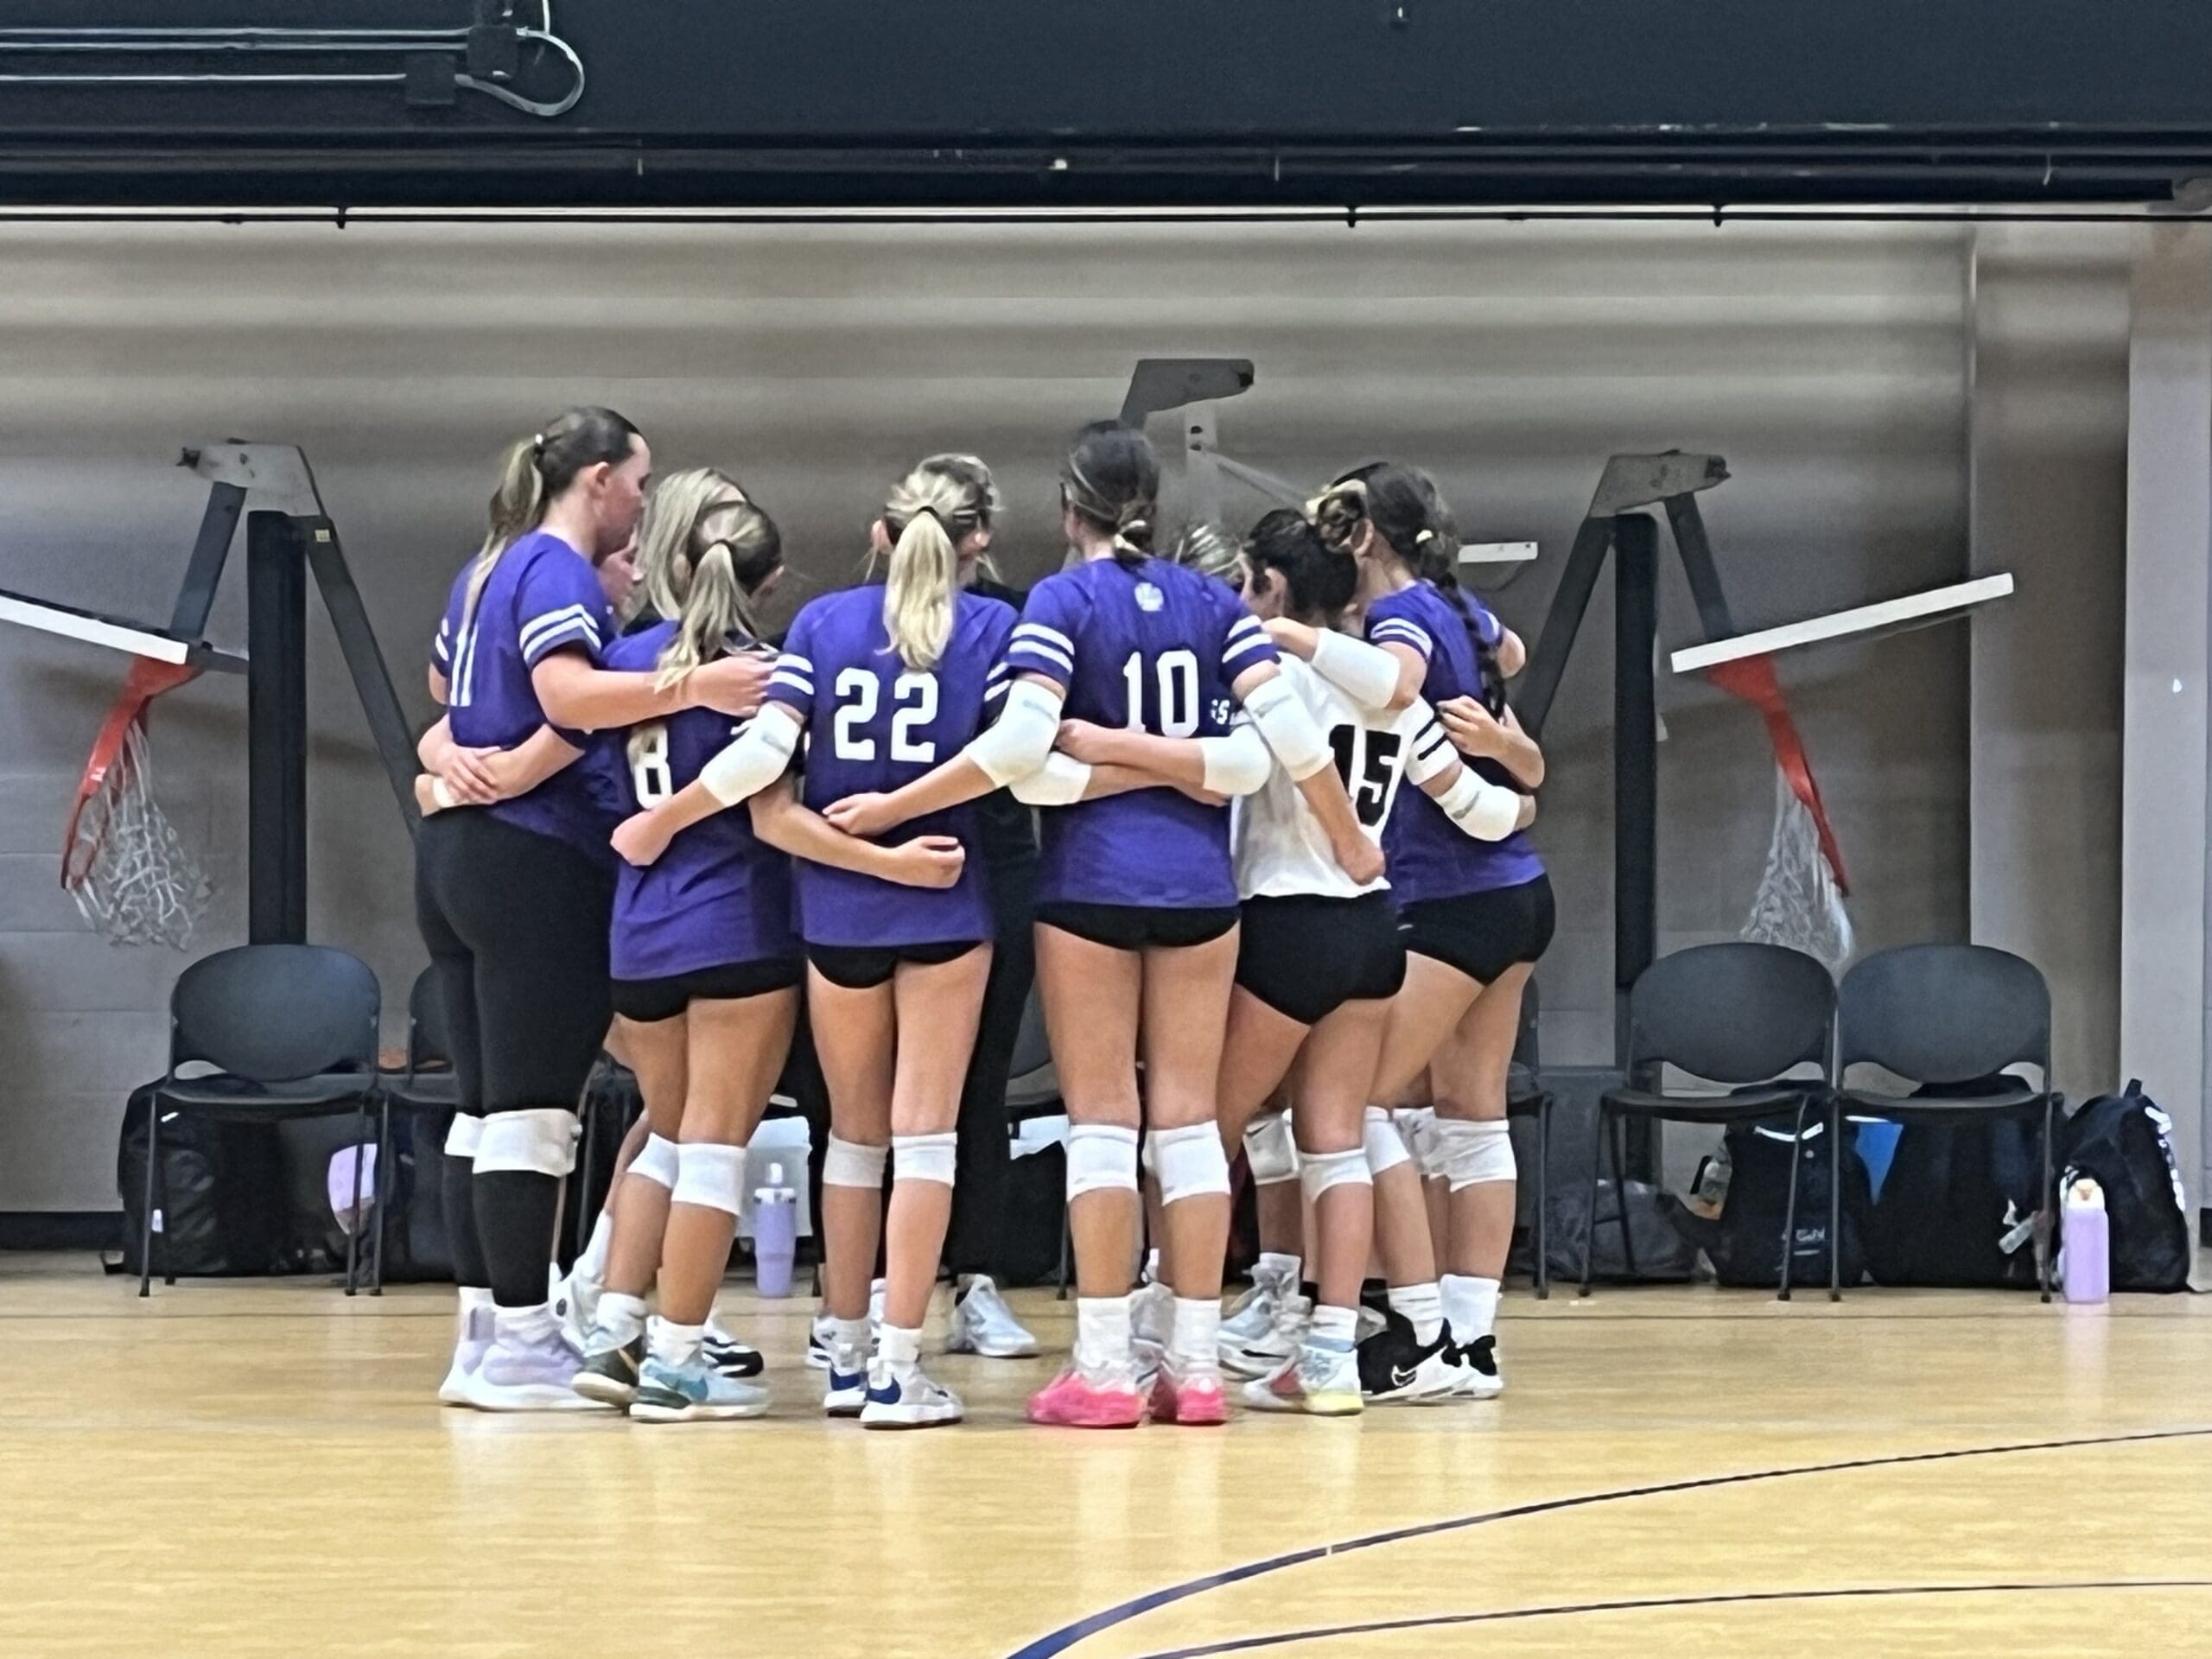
(755, 760)
(1060, 782)
(1017, 743)
(1485, 810)
(1367, 674)
(1237, 764)
(1300, 745)
(1432, 755)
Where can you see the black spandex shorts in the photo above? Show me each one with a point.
(648, 1001)
(1483, 934)
(1132, 927)
(864, 967)
(1305, 956)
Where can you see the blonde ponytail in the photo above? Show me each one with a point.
(945, 500)
(703, 550)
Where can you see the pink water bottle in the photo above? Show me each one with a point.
(775, 1234)
(2087, 1259)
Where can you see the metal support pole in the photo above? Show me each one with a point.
(349, 617)
(1635, 762)
(210, 550)
(276, 732)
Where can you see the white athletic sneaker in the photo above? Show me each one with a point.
(983, 1323)
(1322, 1381)
(575, 1298)
(909, 1402)
(823, 1331)
(1252, 1314)
(1266, 1354)
(847, 1391)
(529, 1373)
(469, 1347)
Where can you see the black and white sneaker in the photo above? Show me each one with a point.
(1475, 1369)
(1394, 1366)
(726, 1354)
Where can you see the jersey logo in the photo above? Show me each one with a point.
(1149, 598)
(1222, 711)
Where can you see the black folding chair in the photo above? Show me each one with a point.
(292, 1029)
(1939, 1016)
(1526, 1096)
(1739, 1014)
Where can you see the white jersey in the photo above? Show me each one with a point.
(1281, 849)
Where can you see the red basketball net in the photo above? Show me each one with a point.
(1801, 894)
(131, 875)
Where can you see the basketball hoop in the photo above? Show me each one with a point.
(122, 860)
(1801, 893)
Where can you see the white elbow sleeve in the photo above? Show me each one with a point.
(1017, 742)
(1485, 810)
(1060, 782)
(754, 761)
(1298, 742)
(1367, 674)
(1237, 764)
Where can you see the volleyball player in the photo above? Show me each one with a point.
(1136, 911)
(513, 899)
(1477, 915)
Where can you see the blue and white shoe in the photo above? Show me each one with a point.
(692, 1392)
(846, 1393)
(908, 1401)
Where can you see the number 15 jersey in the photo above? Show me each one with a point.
(1149, 647)
(874, 725)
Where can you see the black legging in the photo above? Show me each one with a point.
(979, 1193)
(515, 923)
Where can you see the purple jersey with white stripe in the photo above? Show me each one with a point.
(718, 895)
(874, 725)
(1152, 647)
(1430, 856)
(542, 596)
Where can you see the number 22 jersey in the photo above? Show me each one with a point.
(874, 725)
(718, 895)
(1154, 647)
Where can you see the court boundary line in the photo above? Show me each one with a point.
(1067, 1635)
(1646, 1603)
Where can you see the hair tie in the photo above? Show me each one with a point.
(1425, 535)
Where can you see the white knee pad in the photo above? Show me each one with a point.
(709, 1175)
(925, 1157)
(1386, 1147)
(1475, 1154)
(657, 1161)
(1319, 1171)
(539, 1141)
(849, 1163)
(1270, 1149)
(1190, 1162)
(1101, 1157)
(463, 1135)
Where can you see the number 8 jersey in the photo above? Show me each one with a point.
(1150, 647)
(874, 725)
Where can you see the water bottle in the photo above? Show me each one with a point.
(775, 1234)
(2086, 1260)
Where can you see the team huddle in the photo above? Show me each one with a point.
(1283, 898)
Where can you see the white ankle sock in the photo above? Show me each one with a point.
(1423, 1305)
(899, 1349)
(1471, 1304)
(525, 1324)
(671, 1344)
(849, 1333)
(1102, 1332)
(592, 1264)
(1274, 1266)
(622, 1318)
(1193, 1338)
(1336, 1325)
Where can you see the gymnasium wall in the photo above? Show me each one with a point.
(1827, 364)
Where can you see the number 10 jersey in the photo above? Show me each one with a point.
(874, 725)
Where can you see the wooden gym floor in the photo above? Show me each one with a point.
(252, 1469)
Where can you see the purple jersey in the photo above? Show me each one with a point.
(875, 726)
(1150, 647)
(1430, 856)
(542, 596)
(718, 895)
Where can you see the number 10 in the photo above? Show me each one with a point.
(1177, 673)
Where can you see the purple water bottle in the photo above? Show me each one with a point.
(775, 1234)
(2087, 1259)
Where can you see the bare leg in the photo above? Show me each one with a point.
(1186, 1001)
(1091, 994)
(657, 1054)
(1472, 1069)
(855, 1034)
(1422, 1015)
(737, 1049)
(938, 1008)
(1329, 1115)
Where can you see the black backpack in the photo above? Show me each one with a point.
(1745, 1245)
(1957, 1205)
(2123, 1143)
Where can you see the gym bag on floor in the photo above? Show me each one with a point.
(2123, 1143)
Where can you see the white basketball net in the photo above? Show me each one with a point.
(1798, 904)
(136, 881)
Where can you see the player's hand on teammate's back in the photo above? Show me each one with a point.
(929, 861)
(1473, 729)
(469, 776)
(641, 838)
(732, 685)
